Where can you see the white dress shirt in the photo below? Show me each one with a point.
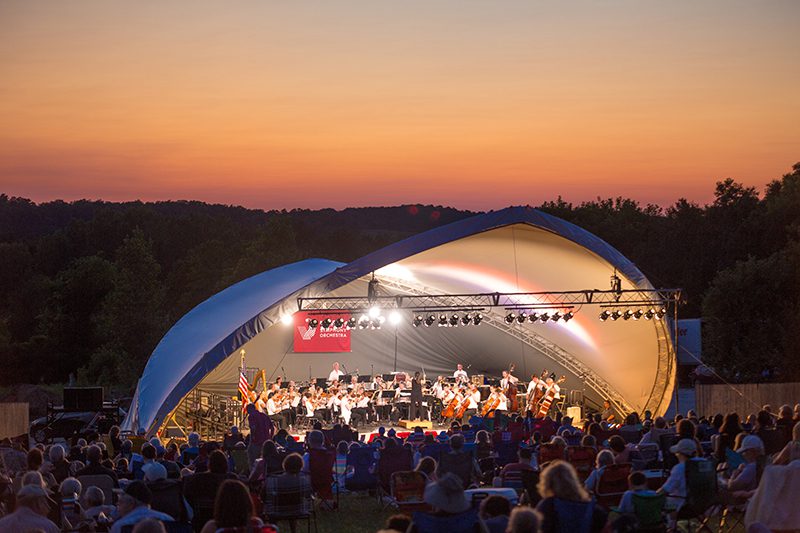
(335, 375)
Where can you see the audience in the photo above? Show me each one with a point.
(637, 484)
(495, 511)
(790, 452)
(133, 506)
(524, 520)
(233, 508)
(31, 512)
(564, 501)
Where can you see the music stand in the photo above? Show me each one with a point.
(365, 378)
(321, 382)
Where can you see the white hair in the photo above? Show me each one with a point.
(93, 496)
(194, 439)
(57, 453)
(69, 487)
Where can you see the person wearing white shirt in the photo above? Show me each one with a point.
(474, 398)
(460, 374)
(437, 390)
(345, 408)
(503, 405)
(335, 374)
(273, 412)
(308, 404)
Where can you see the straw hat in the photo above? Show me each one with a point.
(447, 494)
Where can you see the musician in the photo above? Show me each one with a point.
(460, 374)
(382, 407)
(261, 402)
(377, 382)
(535, 384)
(308, 405)
(608, 412)
(508, 379)
(415, 411)
(273, 411)
(550, 384)
(438, 388)
(335, 373)
(474, 397)
(361, 410)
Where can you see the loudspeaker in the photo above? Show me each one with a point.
(83, 398)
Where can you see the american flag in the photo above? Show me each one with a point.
(244, 389)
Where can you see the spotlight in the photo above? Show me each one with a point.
(649, 314)
(326, 323)
(394, 318)
(510, 317)
(544, 318)
(522, 317)
(604, 316)
(351, 323)
(556, 316)
(568, 316)
(374, 311)
(312, 322)
(627, 315)
(454, 321)
(637, 314)
(376, 322)
(363, 322)
(466, 319)
(430, 320)
(418, 320)
(478, 318)
(661, 313)
(287, 320)
(442, 321)
(615, 315)
(533, 317)
(338, 323)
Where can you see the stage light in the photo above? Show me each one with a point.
(430, 320)
(604, 316)
(615, 315)
(418, 320)
(374, 311)
(376, 322)
(521, 317)
(287, 320)
(466, 319)
(556, 317)
(442, 321)
(312, 322)
(661, 312)
(627, 315)
(533, 317)
(478, 318)
(394, 318)
(351, 323)
(326, 323)
(363, 322)
(637, 314)
(510, 317)
(544, 317)
(338, 323)
(454, 321)
(649, 314)
(568, 316)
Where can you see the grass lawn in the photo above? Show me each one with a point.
(357, 513)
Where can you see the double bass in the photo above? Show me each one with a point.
(549, 396)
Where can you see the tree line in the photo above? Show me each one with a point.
(89, 288)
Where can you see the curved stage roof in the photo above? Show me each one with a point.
(513, 250)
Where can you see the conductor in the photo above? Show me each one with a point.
(416, 397)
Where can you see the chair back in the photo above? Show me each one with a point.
(582, 458)
(360, 463)
(530, 482)
(393, 460)
(701, 486)
(283, 503)
(573, 517)
(549, 452)
(665, 442)
(644, 456)
(460, 523)
(241, 462)
(506, 452)
(774, 439)
(101, 481)
(649, 509)
(408, 489)
(320, 464)
(459, 463)
(168, 498)
(612, 484)
(631, 435)
(434, 450)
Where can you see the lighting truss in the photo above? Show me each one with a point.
(512, 301)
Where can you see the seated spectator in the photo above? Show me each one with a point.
(427, 466)
(93, 504)
(459, 462)
(121, 469)
(563, 500)
(270, 462)
(233, 508)
(203, 487)
(603, 459)
(745, 477)
(59, 466)
(397, 522)
(31, 512)
(566, 426)
(589, 441)
(173, 469)
(71, 511)
(483, 445)
(315, 440)
(675, 485)
(293, 480)
(340, 464)
(133, 506)
(94, 457)
(524, 457)
(446, 497)
(524, 520)
(637, 484)
(686, 429)
(790, 452)
(621, 450)
(35, 459)
(495, 511)
(654, 435)
(149, 525)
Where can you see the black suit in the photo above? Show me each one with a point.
(416, 400)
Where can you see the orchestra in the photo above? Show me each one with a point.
(346, 399)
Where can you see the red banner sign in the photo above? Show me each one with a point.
(310, 336)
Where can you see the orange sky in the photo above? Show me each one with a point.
(473, 104)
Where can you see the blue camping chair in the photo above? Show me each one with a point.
(460, 523)
(360, 470)
(574, 517)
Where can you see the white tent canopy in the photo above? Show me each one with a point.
(513, 250)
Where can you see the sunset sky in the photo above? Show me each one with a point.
(471, 104)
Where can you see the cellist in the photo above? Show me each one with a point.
(509, 386)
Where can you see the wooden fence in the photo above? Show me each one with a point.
(13, 419)
(744, 398)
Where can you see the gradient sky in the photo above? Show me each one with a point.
(472, 104)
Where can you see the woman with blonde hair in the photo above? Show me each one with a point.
(566, 505)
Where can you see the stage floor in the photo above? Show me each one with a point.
(365, 431)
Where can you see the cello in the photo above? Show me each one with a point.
(450, 410)
(489, 406)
